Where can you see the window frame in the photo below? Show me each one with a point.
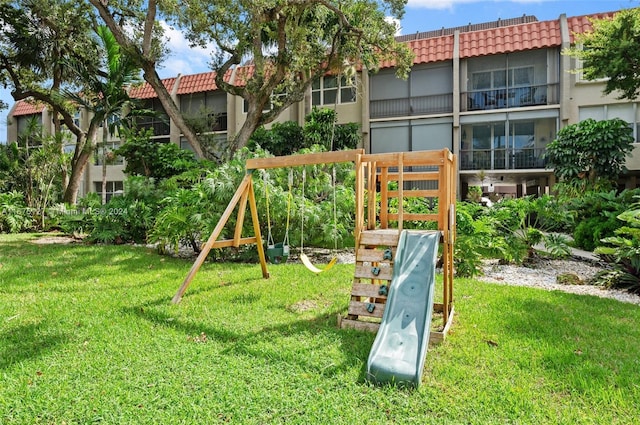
(341, 88)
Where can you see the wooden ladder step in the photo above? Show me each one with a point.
(380, 237)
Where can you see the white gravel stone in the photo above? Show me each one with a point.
(543, 274)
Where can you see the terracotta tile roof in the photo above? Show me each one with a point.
(435, 49)
(198, 83)
(582, 24)
(27, 107)
(145, 91)
(506, 36)
(243, 73)
(515, 38)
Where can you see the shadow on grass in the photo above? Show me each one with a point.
(354, 345)
(26, 342)
(54, 266)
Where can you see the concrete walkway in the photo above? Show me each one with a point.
(575, 252)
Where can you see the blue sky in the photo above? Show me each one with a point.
(421, 15)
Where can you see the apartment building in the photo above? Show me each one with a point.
(494, 93)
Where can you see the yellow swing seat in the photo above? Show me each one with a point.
(307, 263)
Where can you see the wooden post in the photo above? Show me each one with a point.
(240, 222)
(371, 194)
(384, 197)
(256, 229)
(400, 192)
(359, 221)
(244, 185)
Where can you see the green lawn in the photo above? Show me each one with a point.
(88, 335)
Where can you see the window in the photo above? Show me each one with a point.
(114, 188)
(112, 158)
(497, 146)
(159, 123)
(627, 112)
(268, 107)
(331, 91)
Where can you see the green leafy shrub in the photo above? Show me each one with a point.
(476, 239)
(524, 223)
(150, 158)
(15, 217)
(623, 249)
(590, 232)
(180, 221)
(594, 215)
(127, 218)
(282, 139)
(591, 150)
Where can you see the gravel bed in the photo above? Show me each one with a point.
(543, 274)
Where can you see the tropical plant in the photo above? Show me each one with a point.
(476, 239)
(105, 92)
(15, 216)
(34, 165)
(591, 151)
(623, 249)
(180, 221)
(75, 220)
(520, 222)
(152, 159)
(595, 215)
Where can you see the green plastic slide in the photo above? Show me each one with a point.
(399, 350)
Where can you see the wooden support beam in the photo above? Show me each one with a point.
(244, 185)
(304, 159)
(227, 243)
(256, 230)
(240, 221)
(359, 220)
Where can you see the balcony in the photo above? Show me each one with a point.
(410, 106)
(516, 97)
(218, 122)
(159, 125)
(502, 159)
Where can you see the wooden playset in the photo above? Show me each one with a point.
(385, 184)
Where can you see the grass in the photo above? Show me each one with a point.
(88, 335)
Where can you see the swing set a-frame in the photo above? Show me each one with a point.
(384, 184)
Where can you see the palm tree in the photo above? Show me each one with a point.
(105, 93)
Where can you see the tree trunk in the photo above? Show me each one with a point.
(104, 162)
(77, 170)
(78, 164)
(254, 119)
(151, 77)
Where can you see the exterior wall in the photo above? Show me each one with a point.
(520, 98)
(589, 101)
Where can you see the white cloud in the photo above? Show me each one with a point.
(396, 23)
(183, 59)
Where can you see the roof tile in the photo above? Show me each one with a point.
(515, 38)
(27, 107)
(145, 91)
(198, 83)
(582, 24)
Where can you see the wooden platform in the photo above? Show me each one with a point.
(372, 281)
